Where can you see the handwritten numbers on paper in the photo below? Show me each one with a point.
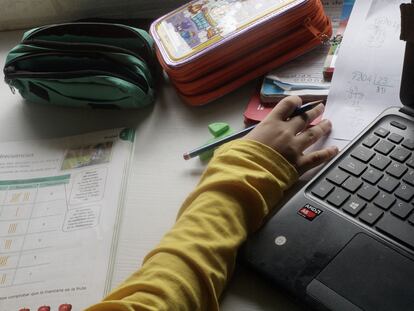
(382, 29)
(354, 97)
(376, 37)
(380, 83)
(381, 90)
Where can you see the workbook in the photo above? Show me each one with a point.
(60, 205)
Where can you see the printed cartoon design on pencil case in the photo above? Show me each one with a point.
(203, 23)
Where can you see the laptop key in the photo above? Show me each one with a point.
(401, 209)
(384, 200)
(370, 215)
(404, 192)
(411, 219)
(396, 169)
(395, 138)
(410, 162)
(409, 177)
(362, 153)
(352, 184)
(381, 132)
(354, 205)
(380, 162)
(408, 143)
(398, 125)
(322, 189)
(396, 228)
(372, 175)
(400, 154)
(352, 166)
(370, 141)
(337, 176)
(338, 197)
(388, 183)
(384, 147)
(367, 192)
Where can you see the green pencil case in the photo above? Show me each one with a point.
(84, 64)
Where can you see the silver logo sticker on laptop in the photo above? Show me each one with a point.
(309, 212)
(280, 240)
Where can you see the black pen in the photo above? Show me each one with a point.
(193, 153)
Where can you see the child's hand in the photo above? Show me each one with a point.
(290, 137)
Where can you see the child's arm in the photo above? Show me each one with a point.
(189, 269)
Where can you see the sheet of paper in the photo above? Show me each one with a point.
(368, 70)
(59, 205)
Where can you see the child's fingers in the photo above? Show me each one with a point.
(310, 136)
(285, 108)
(315, 158)
(302, 121)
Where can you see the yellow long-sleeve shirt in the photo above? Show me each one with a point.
(190, 267)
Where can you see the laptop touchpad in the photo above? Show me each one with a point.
(366, 275)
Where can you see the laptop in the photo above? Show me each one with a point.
(345, 241)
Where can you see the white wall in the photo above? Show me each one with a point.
(17, 14)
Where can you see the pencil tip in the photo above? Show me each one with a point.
(186, 156)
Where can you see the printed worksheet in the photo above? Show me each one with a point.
(60, 202)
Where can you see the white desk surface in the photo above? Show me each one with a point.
(159, 179)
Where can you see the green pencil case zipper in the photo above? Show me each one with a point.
(43, 46)
(128, 38)
(63, 63)
(81, 70)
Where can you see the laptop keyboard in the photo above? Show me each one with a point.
(374, 182)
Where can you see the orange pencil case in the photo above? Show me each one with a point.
(209, 48)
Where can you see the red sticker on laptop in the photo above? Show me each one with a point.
(309, 212)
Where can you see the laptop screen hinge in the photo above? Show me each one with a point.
(407, 110)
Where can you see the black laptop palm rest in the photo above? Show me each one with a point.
(345, 242)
